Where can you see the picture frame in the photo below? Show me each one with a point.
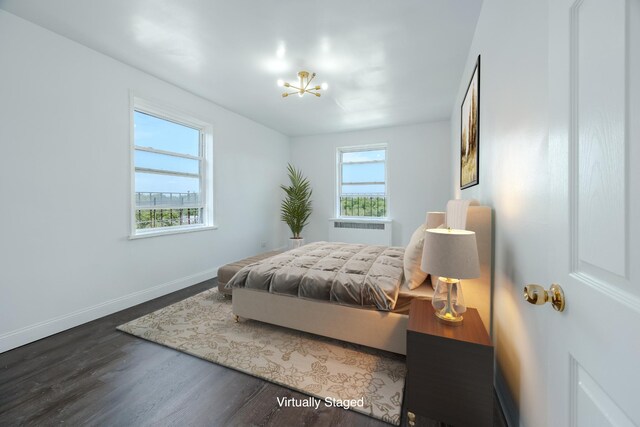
(470, 132)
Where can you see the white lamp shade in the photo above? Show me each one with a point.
(450, 253)
(434, 219)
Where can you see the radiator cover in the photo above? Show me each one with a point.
(370, 232)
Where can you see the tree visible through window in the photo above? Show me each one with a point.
(362, 186)
(169, 176)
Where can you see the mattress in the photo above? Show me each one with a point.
(226, 272)
(359, 275)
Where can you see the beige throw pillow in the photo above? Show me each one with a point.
(413, 275)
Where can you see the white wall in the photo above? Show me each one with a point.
(65, 256)
(418, 163)
(512, 39)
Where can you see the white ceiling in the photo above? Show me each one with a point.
(386, 62)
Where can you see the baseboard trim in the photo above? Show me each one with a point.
(36, 331)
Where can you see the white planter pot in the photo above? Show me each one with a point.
(295, 243)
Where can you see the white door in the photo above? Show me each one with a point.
(594, 92)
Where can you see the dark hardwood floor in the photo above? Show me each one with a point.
(96, 375)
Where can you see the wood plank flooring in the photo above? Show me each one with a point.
(96, 375)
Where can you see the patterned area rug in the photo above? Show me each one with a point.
(327, 369)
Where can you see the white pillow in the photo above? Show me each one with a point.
(413, 275)
(434, 280)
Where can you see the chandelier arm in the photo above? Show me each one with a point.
(309, 81)
(295, 87)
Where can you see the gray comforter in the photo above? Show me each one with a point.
(360, 275)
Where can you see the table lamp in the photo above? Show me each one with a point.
(451, 255)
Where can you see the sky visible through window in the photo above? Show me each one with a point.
(153, 132)
(357, 173)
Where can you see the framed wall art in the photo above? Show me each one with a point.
(470, 131)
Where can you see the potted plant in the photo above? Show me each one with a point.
(296, 206)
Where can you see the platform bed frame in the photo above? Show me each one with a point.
(377, 329)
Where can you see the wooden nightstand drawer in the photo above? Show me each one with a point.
(450, 368)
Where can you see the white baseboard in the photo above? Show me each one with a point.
(27, 334)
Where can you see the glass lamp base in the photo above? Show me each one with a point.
(448, 301)
(449, 319)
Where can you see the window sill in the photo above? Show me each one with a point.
(156, 233)
(360, 219)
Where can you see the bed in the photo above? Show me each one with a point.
(349, 292)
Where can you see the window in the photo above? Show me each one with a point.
(362, 183)
(170, 172)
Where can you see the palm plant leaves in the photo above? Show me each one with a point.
(296, 207)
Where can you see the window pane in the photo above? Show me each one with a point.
(363, 156)
(150, 199)
(155, 189)
(363, 189)
(150, 131)
(364, 172)
(363, 206)
(155, 218)
(148, 160)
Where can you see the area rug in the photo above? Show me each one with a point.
(332, 371)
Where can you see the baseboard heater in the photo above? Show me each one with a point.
(370, 232)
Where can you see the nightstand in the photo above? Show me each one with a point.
(449, 368)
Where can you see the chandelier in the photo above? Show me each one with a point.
(303, 86)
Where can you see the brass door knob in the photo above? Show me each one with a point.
(536, 294)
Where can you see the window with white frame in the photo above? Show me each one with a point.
(362, 182)
(171, 171)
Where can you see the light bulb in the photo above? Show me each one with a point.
(300, 94)
(280, 82)
(324, 86)
(280, 52)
